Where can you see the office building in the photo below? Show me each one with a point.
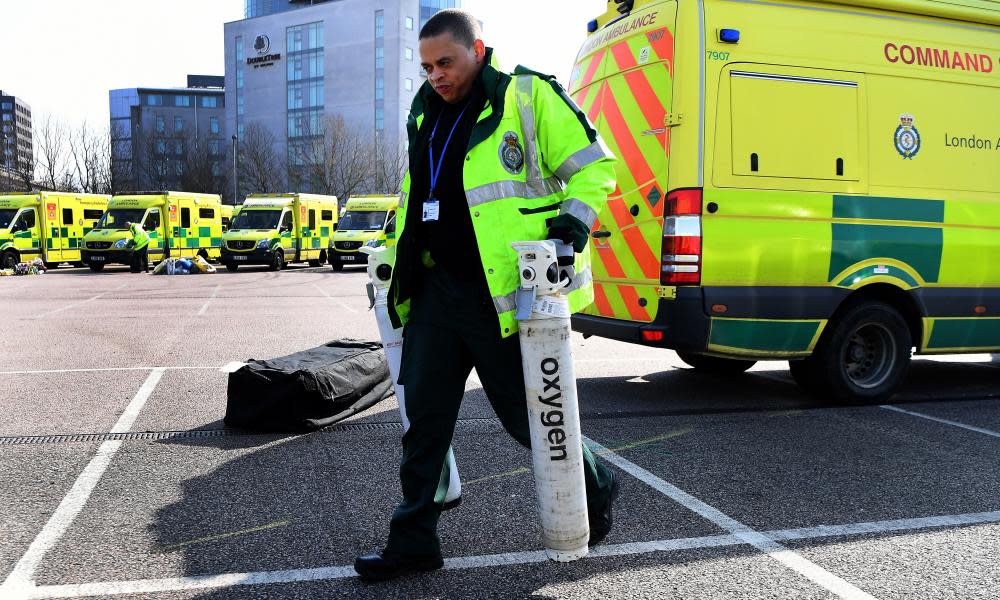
(16, 150)
(291, 67)
(170, 138)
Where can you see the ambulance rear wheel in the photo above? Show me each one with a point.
(315, 263)
(713, 364)
(863, 356)
(8, 260)
(96, 267)
(277, 261)
(232, 267)
(51, 266)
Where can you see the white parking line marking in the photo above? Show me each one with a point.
(225, 580)
(232, 367)
(762, 542)
(78, 495)
(337, 300)
(939, 420)
(103, 369)
(75, 304)
(204, 306)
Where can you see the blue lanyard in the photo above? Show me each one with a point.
(435, 171)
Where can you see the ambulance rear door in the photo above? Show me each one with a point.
(624, 83)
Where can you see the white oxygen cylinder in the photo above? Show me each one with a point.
(380, 262)
(553, 413)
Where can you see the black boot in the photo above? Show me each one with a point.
(387, 564)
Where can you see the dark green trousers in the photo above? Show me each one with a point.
(453, 329)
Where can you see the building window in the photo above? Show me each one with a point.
(213, 125)
(409, 23)
(154, 100)
(379, 119)
(379, 23)
(160, 147)
(379, 58)
(239, 130)
(209, 102)
(304, 37)
(306, 65)
(8, 106)
(178, 124)
(178, 148)
(239, 105)
(379, 89)
(161, 124)
(409, 84)
(183, 101)
(408, 53)
(239, 48)
(216, 170)
(239, 79)
(214, 147)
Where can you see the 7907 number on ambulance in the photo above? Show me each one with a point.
(816, 182)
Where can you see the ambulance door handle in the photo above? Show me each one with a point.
(600, 234)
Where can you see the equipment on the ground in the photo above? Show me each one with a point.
(308, 390)
(380, 263)
(553, 414)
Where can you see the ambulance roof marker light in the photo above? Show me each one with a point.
(729, 36)
(592, 26)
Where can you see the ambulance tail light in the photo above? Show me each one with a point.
(681, 252)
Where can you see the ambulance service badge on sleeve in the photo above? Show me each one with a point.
(907, 137)
(511, 153)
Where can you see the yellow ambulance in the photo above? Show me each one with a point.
(275, 229)
(367, 221)
(179, 224)
(811, 181)
(46, 225)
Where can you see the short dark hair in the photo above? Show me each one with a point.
(459, 23)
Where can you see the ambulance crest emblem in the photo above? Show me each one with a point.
(907, 137)
(511, 153)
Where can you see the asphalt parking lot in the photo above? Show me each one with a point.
(118, 478)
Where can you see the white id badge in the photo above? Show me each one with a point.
(432, 210)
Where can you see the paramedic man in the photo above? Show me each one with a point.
(452, 277)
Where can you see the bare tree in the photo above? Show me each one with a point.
(389, 167)
(262, 169)
(153, 161)
(202, 165)
(122, 156)
(90, 159)
(53, 146)
(339, 161)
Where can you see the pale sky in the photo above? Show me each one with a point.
(62, 56)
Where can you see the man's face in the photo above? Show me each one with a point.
(451, 67)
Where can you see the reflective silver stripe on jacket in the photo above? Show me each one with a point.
(509, 302)
(583, 159)
(526, 110)
(584, 277)
(506, 303)
(507, 188)
(578, 209)
(402, 200)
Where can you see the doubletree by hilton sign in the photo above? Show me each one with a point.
(262, 45)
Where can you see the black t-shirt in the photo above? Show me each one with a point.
(450, 239)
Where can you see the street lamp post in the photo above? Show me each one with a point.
(236, 172)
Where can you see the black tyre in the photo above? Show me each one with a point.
(51, 266)
(863, 356)
(337, 266)
(9, 260)
(714, 364)
(232, 267)
(79, 264)
(315, 263)
(96, 267)
(804, 374)
(277, 261)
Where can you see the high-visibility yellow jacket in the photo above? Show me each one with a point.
(139, 236)
(534, 165)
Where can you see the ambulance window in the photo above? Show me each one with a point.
(152, 220)
(326, 215)
(26, 220)
(206, 213)
(90, 214)
(67, 216)
(185, 217)
(225, 223)
(312, 219)
(390, 227)
(794, 127)
(286, 221)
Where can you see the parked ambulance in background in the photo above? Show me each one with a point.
(46, 225)
(367, 221)
(816, 182)
(275, 229)
(179, 224)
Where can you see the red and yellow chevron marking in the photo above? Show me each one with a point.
(629, 108)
